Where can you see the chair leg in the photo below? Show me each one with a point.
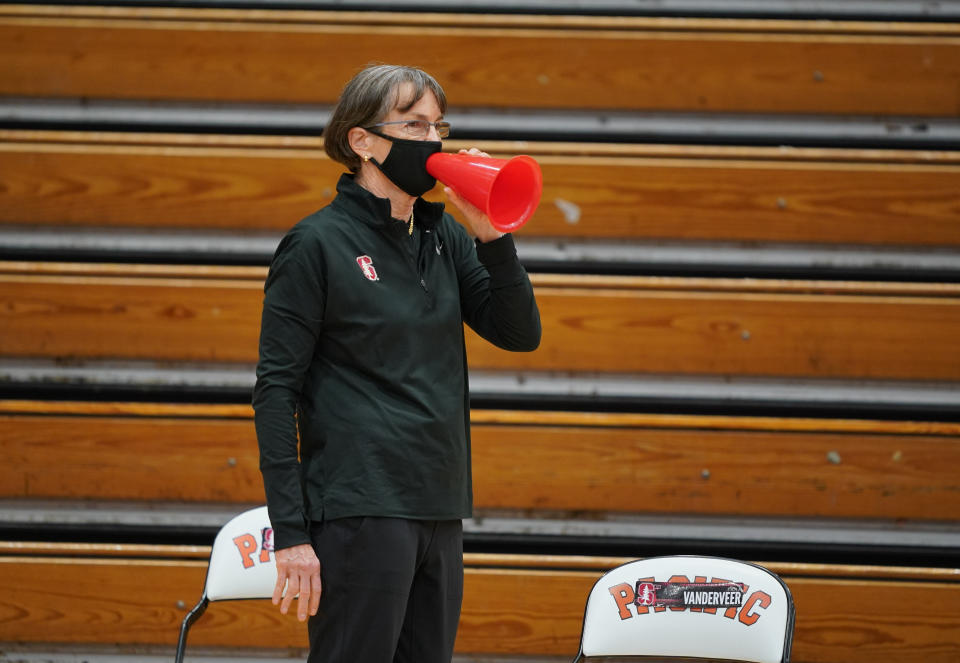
(188, 621)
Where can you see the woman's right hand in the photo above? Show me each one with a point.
(299, 570)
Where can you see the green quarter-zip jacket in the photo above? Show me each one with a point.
(362, 351)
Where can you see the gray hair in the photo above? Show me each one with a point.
(367, 99)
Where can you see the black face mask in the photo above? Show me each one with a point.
(406, 164)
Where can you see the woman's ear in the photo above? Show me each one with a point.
(359, 141)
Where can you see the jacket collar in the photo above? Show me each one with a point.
(367, 208)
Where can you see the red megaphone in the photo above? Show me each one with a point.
(507, 190)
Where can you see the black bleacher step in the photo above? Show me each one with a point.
(719, 395)
(137, 245)
(538, 254)
(893, 132)
(813, 540)
(765, 260)
(648, 393)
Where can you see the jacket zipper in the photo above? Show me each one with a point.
(414, 262)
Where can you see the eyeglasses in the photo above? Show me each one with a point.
(417, 128)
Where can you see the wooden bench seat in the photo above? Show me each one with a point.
(529, 61)
(523, 460)
(515, 604)
(823, 196)
(740, 327)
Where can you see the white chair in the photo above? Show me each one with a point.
(241, 566)
(689, 607)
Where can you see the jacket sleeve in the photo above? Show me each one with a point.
(496, 296)
(290, 325)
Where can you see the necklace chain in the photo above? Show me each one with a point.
(410, 231)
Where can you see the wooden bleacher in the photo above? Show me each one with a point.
(513, 604)
(578, 462)
(247, 183)
(624, 324)
(841, 471)
(494, 60)
(574, 461)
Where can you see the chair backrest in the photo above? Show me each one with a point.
(242, 564)
(689, 607)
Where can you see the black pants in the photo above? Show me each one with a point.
(392, 590)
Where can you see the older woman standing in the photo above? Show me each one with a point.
(362, 360)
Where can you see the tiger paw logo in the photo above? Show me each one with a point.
(366, 265)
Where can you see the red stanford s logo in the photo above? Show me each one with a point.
(366, 264)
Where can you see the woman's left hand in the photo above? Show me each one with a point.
(480, 224)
